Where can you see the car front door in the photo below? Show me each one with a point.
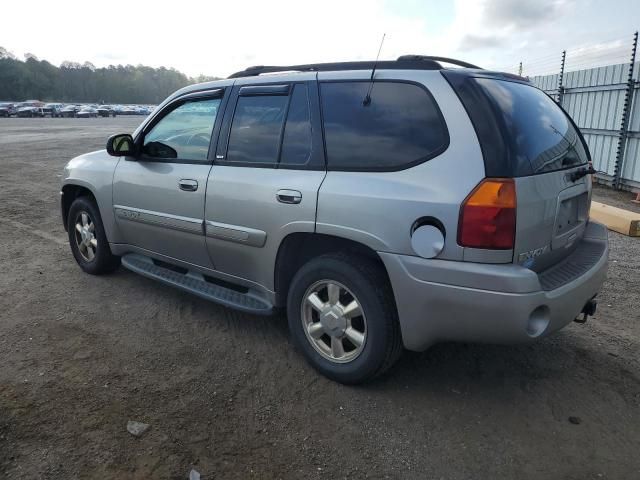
(268, 168)
(159, 195)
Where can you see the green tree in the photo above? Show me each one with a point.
(76, 82)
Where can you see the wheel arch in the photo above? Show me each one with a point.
(69, 193)
(296, 249)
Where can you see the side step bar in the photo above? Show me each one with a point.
(194, 282)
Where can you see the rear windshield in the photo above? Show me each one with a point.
(521, 129)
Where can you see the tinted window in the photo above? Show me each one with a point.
(255, 131)
(401, 125)
(296, 143)
(183, 133)
(538, 135)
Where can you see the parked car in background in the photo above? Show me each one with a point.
(106, 111)
(69, 111)
(7, 109)
(443, 204)
(53, 110)
(87, 112)
(144, 110)
(30, 111)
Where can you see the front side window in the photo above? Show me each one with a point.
(184, 133)
(401, 125)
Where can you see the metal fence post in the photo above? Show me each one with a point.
(561, 78)
(624, 125)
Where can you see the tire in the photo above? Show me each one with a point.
(94, 258)
(357, 279)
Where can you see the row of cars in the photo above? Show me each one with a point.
(36, 108)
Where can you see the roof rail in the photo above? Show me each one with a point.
(451, 61)
(406, 62)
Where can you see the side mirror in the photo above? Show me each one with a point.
(120, 145)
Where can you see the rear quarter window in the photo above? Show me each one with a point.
(400, 127)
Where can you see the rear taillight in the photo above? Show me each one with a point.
(488, 215)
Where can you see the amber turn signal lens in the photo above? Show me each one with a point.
(488, 215)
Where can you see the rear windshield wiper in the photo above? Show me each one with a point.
(583, 172)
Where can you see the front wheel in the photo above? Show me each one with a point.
(343, 318)
(87, 238)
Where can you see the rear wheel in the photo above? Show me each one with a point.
(343, 318)
(87, 238)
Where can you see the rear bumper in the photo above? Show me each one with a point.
(441, 300)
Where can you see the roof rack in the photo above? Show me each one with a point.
(451, 61)
(405, 62)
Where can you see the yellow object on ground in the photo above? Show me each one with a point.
(616, 219)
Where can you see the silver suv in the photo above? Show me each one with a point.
(385, 205)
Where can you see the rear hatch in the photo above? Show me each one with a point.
(525, 135)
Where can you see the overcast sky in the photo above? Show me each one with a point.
(218, 38)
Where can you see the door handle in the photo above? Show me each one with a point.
(188, 185)
(289, 196)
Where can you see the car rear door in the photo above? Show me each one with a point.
(269, 165)
(159, 195)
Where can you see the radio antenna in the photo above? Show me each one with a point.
(367, 98)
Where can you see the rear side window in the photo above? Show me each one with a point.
(256, 127)
(400, 127)
(296, 143)
(271, 129)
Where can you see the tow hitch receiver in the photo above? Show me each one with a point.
(588, 310)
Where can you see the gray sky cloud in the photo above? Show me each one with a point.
(521, 14)
(228, 36)
(479, 42)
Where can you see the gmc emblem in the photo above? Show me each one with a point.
(531, 254)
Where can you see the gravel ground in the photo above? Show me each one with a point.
(615, 198)
(225, 393)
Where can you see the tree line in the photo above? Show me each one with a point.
(74, 82)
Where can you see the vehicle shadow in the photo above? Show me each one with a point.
(573, 357)
(475, 369)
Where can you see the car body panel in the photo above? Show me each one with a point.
(540, 240)
(243, 202)
(507, 305)
(152, 211)
(94, 171)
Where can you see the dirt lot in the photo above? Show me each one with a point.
(226, 393)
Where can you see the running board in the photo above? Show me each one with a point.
(194, 282)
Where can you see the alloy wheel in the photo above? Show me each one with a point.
(85, 236)
(333, 321)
